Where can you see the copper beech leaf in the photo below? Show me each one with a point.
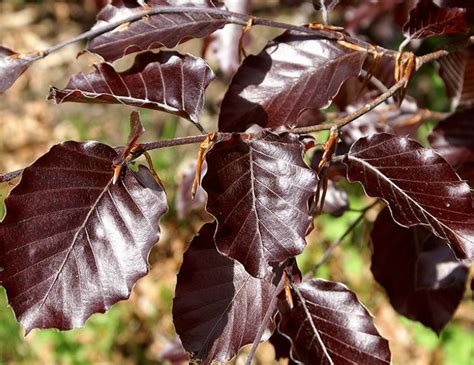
(453, 138)
(421, 275)
(12, 66)
(168, 28)
(72, 243)
(419, 185)
(427, 19)
(218, 307)
(259, 190)
(457, 72)
(328, 325)
(292, 75)
(166, 81)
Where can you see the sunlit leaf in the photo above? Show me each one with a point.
(218, 307)
(167, 28)
(328, 325)
(419, 185)
(166, 81)
(294, 73)
(421, 275)
(259, 189)
(72, 243)
(12, 66)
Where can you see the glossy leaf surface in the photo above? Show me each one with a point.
(453, 138)
(294, 73)
(72, 243)
(12, 66)
(421, 275)
(457, 72)
(427, 19)
(259, 190)
(165, 81)
(218, 307)
(419, 185)
(168, 28)
(329, 325)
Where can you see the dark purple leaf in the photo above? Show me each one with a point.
(168, 28)
(293, 74)
(419, 185)
(427, 19)
(164, 81)
(328, 325)
(73, 243)
(218, 307)
(282, 347)
(12, 66)
(457, 72)
(453, 138)
(422, 277)
(259, 189)
(366, 12)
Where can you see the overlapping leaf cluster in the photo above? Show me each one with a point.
(81, 223)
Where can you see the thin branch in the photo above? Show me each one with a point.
(10, 176)
(338, 242)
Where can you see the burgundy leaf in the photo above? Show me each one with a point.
(174, 352)
(422, 277)
(258, 190)
(218, 307)
(366, 12)
(328, 325)
(295, 72)
(73, 243)
(167, 28)
(419, 185)
(453, 138)
(164, 81)
(454, 3)
(12, 66)
(427, 19)
(282, 347)
(457, 72)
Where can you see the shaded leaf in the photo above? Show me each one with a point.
(258, 190)
(457, 72)
(218, 307)
(72, 243)
(328, 325)
(421, 275)
(185, 203)
(12, 66)
(419, 185)
(168, 28)
(295, 72)
(427, 19)
(336, 201)
(174, 353)
(282, 346)
(454, 3)
(453, 138)
(402, 120)
(165, 81)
